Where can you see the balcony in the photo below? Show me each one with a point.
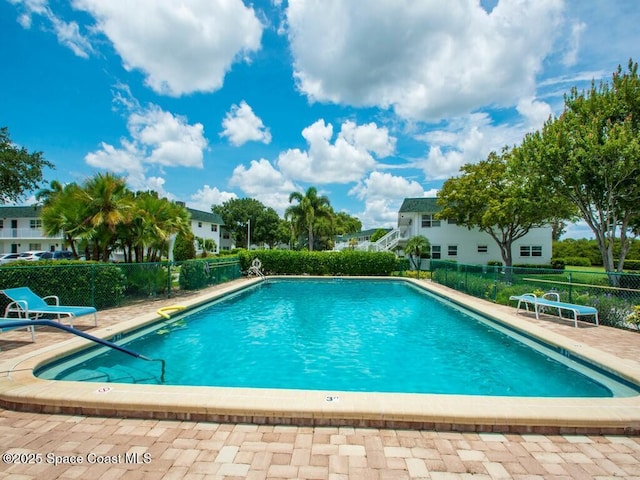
(23, 233)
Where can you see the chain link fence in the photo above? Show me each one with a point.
(614, 294)
(106, 285)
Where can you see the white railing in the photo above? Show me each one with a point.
(17, 233)
(389, 241)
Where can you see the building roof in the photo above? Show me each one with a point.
(35, 210)
(362, 233)
(200, 216)
(420, 205)
(20, 212)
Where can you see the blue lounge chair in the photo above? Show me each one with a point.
(552, 300)
(29, 328)
(27, 304)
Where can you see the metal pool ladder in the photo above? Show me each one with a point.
(80, 333)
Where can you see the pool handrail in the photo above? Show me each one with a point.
(48, 323)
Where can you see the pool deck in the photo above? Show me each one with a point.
(213, 427)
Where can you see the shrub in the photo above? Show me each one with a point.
(193, 275)
(75, 283)
(147, 279)
(287, 262)
(184, 248)
(577, 261)
(494, 263)
(632, 264)
(612, 311)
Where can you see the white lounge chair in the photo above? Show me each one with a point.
(552, 300)
(27, 304)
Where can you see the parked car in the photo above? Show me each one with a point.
(8, 257)
(32, 255)
(58, 255)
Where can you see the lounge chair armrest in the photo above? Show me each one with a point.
(17, 306)
(55, 298)
(555, 296)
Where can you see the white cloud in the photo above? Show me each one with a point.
(571, 55)
(206, 197)
(157, 138)
(419, 58)
(470, 139)
(68, 33)
(383, 194)
(265, 183)
(241, 125)
(181, 47)
(346, 160)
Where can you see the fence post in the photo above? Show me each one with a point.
(93, 284)
(495, 283)
(570, 289)
(169, 279)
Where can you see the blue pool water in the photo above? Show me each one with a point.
(335, 334)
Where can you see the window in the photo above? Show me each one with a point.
(530, 251)
(214, 228)
(435, 252)
(225, 235)
(452, 221)
(1, 223)
(199, 224)
(483, 249)
(428, 221)
(452, 250)
(35, 223)
(35, 246)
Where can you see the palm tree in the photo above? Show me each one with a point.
(107, 203)
(62, 213)
(416, 247)
(307, 211)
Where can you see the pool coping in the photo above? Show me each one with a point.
(21, 390)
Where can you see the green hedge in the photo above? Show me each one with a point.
(74, 283)
(632, 264)
(196, 274)
(288, 262)
(573, 261)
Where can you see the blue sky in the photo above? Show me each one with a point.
(207, 100)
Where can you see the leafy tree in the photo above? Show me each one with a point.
(306, 214)
(184, 247)
(416, 247)
(590, 154)
(378, 234)
(238, 212)
(345, 224)
(20, 171)
(497, 197)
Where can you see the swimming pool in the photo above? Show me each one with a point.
(346, 335)
(21, 390)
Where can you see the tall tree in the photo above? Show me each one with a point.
(590, 154)
(416, 247)
(498, 197)
(106, 204)
(248, 216)
(62, 213)
(20, 171)
(305, 213)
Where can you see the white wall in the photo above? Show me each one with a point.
(468, 241)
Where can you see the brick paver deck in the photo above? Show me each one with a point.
(43, 446)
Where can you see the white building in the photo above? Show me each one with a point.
(454, 242)
(21, 230)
